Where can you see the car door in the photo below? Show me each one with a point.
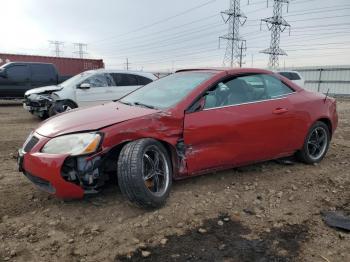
(99, 91)
(18, 80)
(241, 123)
(125, 84)
(42, 75)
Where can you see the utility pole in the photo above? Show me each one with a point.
(57, 47)
(241, 48)
(276, 24)
(127, 64)
(234, 18)
(81, 47)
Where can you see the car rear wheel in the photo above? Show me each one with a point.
(145, 173)
(316, 144)
(60, 107)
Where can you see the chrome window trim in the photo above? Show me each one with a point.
(253, 102)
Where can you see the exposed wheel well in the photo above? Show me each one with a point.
(173, 156)
(115, 152)
(71, 101)
(328, 123)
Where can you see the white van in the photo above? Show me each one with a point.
(86, 89)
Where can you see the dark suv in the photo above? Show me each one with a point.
(18, 77)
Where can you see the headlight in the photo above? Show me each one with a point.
(75, 144)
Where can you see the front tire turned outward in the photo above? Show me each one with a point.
(316, 144)
(145, 173)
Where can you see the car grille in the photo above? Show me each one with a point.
(40, 183)
(30, 144)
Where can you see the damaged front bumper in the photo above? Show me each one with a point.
(61, 175)
(38, 105)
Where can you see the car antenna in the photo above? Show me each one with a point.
(324, 101)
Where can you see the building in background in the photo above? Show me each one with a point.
(65, 65)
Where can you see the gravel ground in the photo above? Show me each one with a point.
(264, 212)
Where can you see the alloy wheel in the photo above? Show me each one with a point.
(317, 143)
(155, 171)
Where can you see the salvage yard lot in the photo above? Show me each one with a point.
(268, 211)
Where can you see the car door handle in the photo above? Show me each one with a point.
(280, 110)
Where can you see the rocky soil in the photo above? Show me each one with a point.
(264, 212)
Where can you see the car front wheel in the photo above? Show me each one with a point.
(316, 144)
(60, 107)
(145, 173)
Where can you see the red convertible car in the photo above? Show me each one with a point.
(189, 123)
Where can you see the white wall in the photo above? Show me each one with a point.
(334, 78)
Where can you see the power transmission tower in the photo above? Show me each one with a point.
(234, 18)
(57, 47)
(276, 24)
(81, 48)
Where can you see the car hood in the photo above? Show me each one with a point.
(43, 89)
(89, 119)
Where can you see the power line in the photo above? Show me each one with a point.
(147, 35)
(160, 21)
(57, 47)
(166, 41)
(154, 40)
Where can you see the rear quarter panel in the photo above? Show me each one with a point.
(310, 107)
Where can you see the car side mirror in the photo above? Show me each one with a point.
(3, 73)
(84, 86)
(197, 106)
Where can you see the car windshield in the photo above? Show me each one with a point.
(167, 91)
(75, 80)
(4, 66)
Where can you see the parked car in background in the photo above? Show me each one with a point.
(18, 77)
(186, 124)
(293, 76)
(86, 89)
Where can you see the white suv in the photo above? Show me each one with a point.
(86, 89)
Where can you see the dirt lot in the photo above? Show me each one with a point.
(265, 212)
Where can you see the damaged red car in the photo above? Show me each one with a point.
(186, 124)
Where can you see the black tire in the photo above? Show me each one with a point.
(304, 154)
(60, 107)
(41, 117)
(132, 165)
(44, 116)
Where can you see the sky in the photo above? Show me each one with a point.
(159, 35)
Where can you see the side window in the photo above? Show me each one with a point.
(41, 72)
(98, 80)
(245, 89)
(290, 75)
(110, 80)
(285, 74)
(236, 91)
(274, 87)
(125, 79)
(141, 80)
(18, 73)
(294, 76)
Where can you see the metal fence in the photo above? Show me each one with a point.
(336, 79)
